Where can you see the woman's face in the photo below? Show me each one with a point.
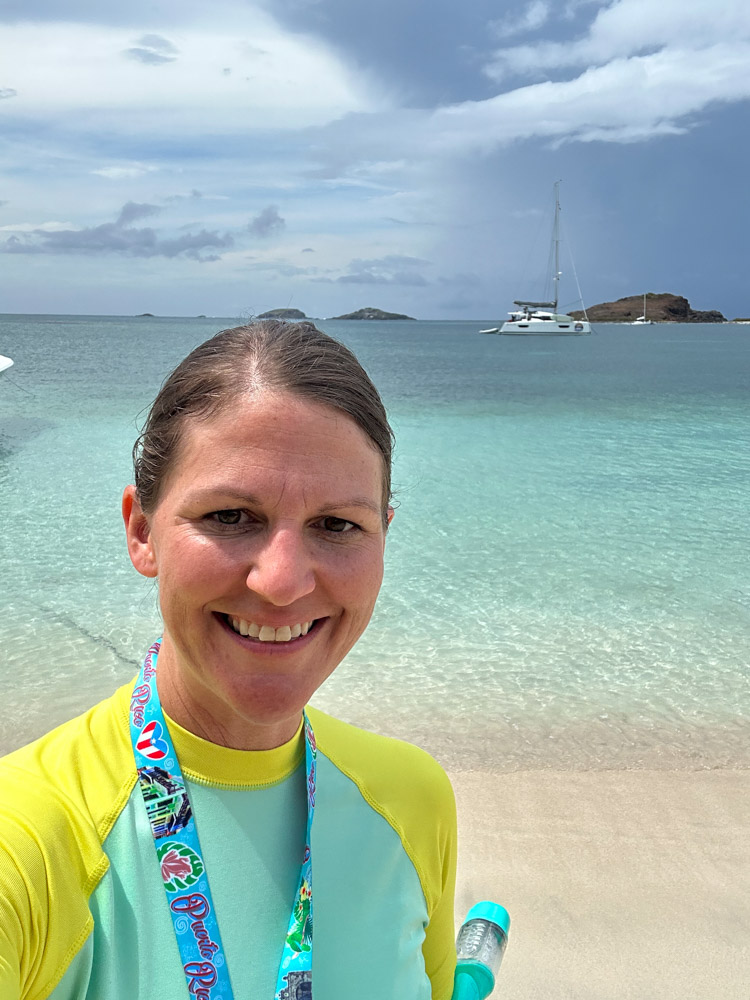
(268, 545)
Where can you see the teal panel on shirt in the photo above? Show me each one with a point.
(369, 910)
(252, 842)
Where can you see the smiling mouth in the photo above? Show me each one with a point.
(267, 633)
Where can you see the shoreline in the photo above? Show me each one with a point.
(620, 884)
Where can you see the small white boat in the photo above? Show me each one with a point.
(641, 320)
(4, 362)
(542, 318)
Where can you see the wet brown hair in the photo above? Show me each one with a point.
(284, 357)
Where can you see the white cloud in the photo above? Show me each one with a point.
(631, 27)
(124, 173)
(278, 79)
(623, 101)
(532, 18)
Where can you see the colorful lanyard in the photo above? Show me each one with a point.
(183, 869)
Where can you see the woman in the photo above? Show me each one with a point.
(177, 839)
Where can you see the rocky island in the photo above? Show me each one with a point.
(369, 313)
(661, 307)
(283, 314)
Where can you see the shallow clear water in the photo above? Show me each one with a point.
(567, 573)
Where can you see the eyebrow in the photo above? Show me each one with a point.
(252, 500)
(361, 502)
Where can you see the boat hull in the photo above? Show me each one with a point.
(546, 328)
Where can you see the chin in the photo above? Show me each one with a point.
(268, 700)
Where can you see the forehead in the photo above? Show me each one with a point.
(276, 434)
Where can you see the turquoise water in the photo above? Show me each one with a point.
(567, 573)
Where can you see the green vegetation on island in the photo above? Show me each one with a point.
(661, 307)
(369, 313)
(283, 314)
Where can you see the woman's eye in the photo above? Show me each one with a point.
(337, 524)
(227, 516)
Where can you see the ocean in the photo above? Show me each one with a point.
(566, 576)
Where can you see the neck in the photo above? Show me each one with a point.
(197, 709)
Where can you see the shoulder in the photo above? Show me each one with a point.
(386, 769)
(408, 788)
(80, 769)
(59, 798)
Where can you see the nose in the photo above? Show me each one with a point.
(282, 570)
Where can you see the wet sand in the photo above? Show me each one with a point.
(621, 885)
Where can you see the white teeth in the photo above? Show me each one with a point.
(267, 633)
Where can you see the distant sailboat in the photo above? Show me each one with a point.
(641, 320)
(542, 318)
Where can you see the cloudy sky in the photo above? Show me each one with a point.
(182, 158)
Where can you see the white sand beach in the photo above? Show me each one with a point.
(621, 885)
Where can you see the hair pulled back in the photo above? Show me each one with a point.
(284, 357)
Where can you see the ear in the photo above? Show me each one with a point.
(389, 515)
(138, 532)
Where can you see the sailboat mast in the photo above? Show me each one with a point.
(556, 238)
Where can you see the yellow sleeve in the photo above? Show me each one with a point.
(439, 946)
(43, 878)
(59, 797)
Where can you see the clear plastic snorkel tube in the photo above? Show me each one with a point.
(480, 946)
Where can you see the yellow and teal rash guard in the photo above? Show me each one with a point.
(83, 913)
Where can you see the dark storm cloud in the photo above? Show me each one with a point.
(266, 223)
(431, 53)
(120, 238)
(153, 50)
(132, 210)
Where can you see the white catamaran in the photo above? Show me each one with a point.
(535, 318)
